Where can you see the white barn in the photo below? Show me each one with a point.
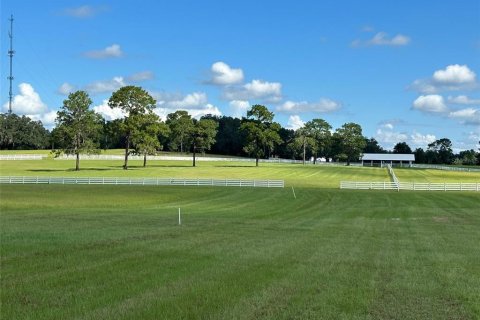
(381, 159)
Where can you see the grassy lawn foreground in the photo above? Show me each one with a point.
(106, 252)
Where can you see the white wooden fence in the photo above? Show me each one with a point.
(176, 158)
(144, 181)
(446, 168)
(423, 186)
(392, 174)
(22, 157)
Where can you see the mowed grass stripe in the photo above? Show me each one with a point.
(294, 174)
(116, 252)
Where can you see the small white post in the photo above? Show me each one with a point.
(294, 193)
(179, 217)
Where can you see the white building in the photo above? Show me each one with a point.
(381, 159)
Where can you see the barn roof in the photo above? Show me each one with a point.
(388, 157)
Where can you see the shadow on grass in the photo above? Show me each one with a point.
(236, 166)
(73, 169)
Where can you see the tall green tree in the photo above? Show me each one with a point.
(79, 127)
(261, 132)
(402, 148)
(352, 141)
(181, 126)
(319, 131)
(303, 142)
(442, 148)
(420, 156)
(137, 104)
(146, 140)
(21, 132)
(372, 146)
(203, 134)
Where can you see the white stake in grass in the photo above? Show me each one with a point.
(294, 193)
(179, 217)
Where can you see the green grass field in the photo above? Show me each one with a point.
(117, 252)
(294, 174)
(432, 175)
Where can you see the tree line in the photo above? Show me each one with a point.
(80, 130)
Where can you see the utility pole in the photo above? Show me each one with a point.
(10, 54)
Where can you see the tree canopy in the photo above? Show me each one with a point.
(78, 127)
(261, 132)
(138, 105)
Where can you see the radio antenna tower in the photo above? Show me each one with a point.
(10, 54)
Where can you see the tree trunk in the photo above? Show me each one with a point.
(304, 147)
(145, 159)
(77, 162)
(194, 148)
(256, 161)
(127, 147)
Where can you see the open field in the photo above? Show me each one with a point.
(432, 175)
(116, 252)
(296, 175)
(98, 252)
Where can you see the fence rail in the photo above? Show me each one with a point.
(392, 174)
(145, 181)
(175, 158)
(22, 157)
(446, 168)
(422, 186)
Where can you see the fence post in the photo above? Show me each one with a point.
(444, 186)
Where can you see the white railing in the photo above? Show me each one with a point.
(447, 168)
(22, 157)
(422, 186)
(177, 158)
(392, 174)
(373, 185)
(144, 181)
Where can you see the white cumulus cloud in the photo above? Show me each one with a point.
(383, 39)
(113, 51)
(430, 103)
(196, 104)
(47, 118)
(189, 101)
(223, 74)
(66, 88)
(295, 122)
(462, 99)
(468, 116)
(255, 90)
(454, 74)
(108, 113)
(454, 77)
(141, 76)
(27, 102)
(322, 106)
(239, 108)
(421, 140)
(104, 86)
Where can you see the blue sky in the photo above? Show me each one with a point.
(405, 71)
